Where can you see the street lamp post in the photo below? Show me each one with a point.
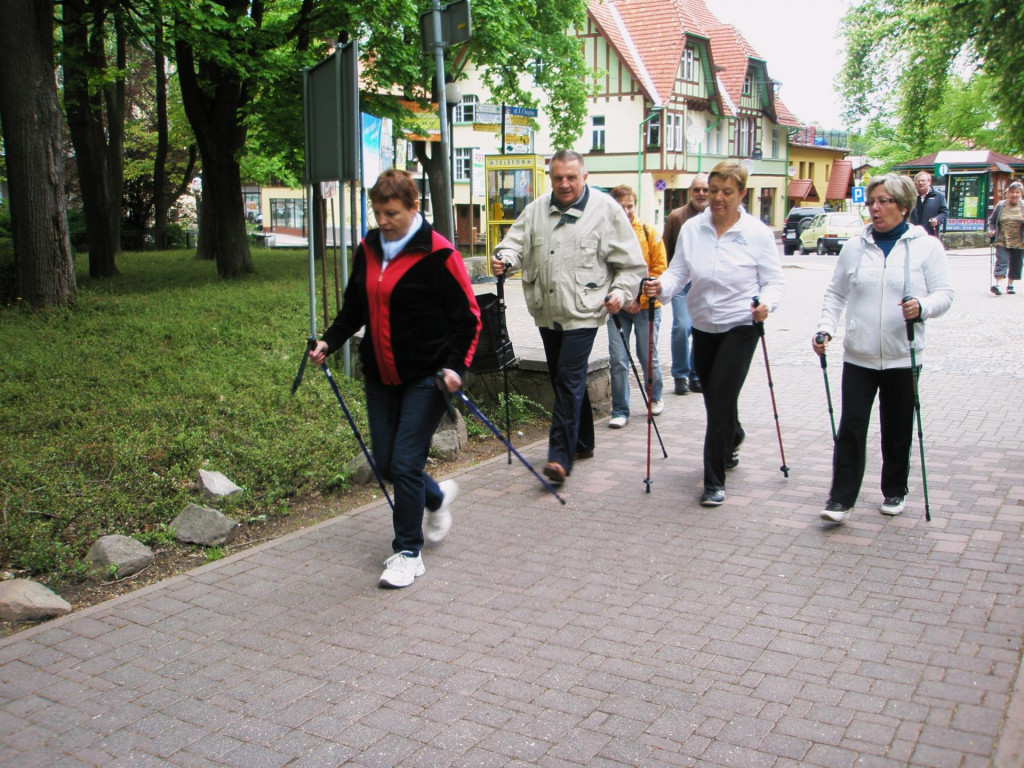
(452, 96)
(656, 111)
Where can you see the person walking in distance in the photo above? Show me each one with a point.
(731, 261)
(635, 319)
(1004, 231)
(683, 373)
(930, 210)
(889, 275)
(410, 289)
(580, 261)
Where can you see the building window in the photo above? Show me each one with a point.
(689, 64)
(744, 136)
(775, 140)
(287, 212)
(677, 129)
(714, 139)
(465, 110)
(654, 132)
(463, 163)
(748, 84)
(597, 133)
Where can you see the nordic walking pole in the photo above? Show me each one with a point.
(504, 363)
(650, 380)
(487, 423)
(771, 388)
(636, 375)
(820, 339)
(355, 431)
(917, 408)
(992, 267)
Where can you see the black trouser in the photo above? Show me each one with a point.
(895, 388)
(722, 361)
(572, 420)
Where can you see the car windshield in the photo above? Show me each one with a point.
(846, 220)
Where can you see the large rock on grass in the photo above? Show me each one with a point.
(26, 600)
(117, 557)
(202, 525)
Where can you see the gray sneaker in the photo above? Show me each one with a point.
(439, 521)
(892, 505)
(401, 570)
(834, 512)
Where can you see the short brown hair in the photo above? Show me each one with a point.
(730, 169)
(622, 192)
(394, 184)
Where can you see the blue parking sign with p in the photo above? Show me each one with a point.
(858, 195)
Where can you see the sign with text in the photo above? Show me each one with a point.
(967, 197)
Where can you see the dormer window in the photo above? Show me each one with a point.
(748, 84)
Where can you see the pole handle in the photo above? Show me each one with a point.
(910, 323)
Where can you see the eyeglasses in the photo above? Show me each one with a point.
(880, 201)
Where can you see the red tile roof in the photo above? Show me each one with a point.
(839, 180)
(649, 37)
(802, 189)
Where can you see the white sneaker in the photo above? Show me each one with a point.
(892, 505)
(618, 422)
(401, 570)
(439, 521)
(657, 407)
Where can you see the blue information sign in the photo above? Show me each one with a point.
(858, 195)
(524, 111)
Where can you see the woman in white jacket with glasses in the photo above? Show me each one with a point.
(892, 274)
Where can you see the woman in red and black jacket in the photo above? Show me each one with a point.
(410, 289)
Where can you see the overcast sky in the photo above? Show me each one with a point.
(798, 40)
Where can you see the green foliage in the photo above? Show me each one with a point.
(521, 411)
(939, 74)
(108, 412)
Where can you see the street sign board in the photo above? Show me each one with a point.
(857, 195)
(456, 25)
(524, 111)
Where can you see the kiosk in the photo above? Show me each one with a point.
(512, 183)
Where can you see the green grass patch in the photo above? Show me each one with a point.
(108, 411)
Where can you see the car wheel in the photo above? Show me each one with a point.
(822, 250)
(803, 251)
(788, 249)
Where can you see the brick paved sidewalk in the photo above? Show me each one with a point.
(624, 629)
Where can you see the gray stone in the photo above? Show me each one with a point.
(450, 438)
(201, 525)
(118, 557)
(26, 600)
(215, 485)
(359, 472)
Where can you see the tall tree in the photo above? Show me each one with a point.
(32, 125)
(94, 99)
(240, 64)
(906, 58)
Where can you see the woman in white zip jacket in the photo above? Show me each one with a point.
(728, 257)
(890, 261)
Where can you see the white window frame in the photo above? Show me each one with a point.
(463, 163)
(465, 110)
(597, 132)
(689, 64)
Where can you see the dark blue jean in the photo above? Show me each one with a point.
(402, 422)
(682, 353)
(572, 422)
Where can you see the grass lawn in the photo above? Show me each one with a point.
(108, 411)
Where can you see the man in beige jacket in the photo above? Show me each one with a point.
(580, 262)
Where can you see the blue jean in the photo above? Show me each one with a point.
(640, 325)
(572, 422)
(402, 420)
(682, 352)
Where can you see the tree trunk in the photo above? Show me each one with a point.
(434, 165)
(213, 97)
(32, 128)
(96, 123)
(160, 161)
